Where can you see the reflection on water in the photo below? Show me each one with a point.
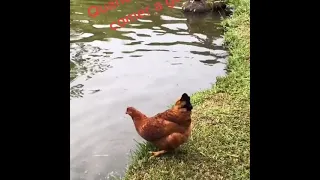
(146, 64)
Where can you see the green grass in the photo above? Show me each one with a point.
(219, 147)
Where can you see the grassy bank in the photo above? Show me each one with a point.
(220, 144)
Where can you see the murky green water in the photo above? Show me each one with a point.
(147, 64)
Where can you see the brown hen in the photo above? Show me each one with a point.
(166, 130)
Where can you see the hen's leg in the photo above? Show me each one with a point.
(168, 143)
(157, 153)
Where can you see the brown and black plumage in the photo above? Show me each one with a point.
(166, 130)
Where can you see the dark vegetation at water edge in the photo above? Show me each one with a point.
(219, 147)
(203, 6)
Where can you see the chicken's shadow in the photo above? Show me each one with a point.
(182, 153)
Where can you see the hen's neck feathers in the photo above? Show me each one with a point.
(138, 119)
(137, 115)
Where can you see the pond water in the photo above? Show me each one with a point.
(147, 64)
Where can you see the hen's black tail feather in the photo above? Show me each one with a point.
(188, 104)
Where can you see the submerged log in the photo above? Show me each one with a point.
(201, 6)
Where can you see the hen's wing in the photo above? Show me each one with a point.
(156, 128)
(180, 116)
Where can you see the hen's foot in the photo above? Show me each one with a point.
(157, 153)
